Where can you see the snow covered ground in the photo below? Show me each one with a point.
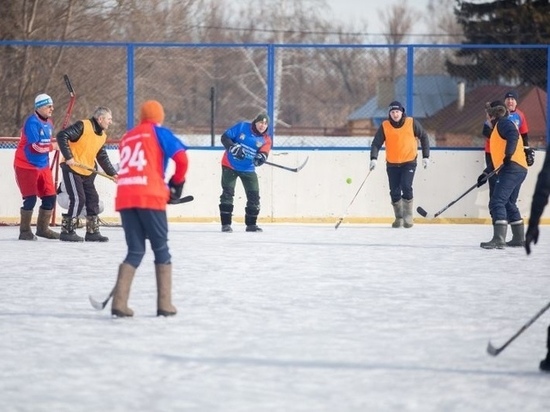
(297, 318)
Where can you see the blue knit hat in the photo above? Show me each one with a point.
(42, 100)
(512, 93)
(395, 105)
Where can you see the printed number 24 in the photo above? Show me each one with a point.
(132, 157)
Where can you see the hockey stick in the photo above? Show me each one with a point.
(101, 305)
(290, 169)
(184, 199)
(352, 200)
(491, 350)
(66, 120)
(422, 212)
(97, 172)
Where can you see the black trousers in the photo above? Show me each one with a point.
(82, 192)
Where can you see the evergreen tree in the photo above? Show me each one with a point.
(507, 22)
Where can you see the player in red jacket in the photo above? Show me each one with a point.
(141, 199)
(32, 170)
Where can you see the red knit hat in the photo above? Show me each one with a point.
(152, 111)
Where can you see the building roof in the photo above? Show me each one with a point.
(431, 93)
(469, 120)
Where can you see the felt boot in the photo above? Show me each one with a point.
(408, 213)
(119, 307)
(164, 290)
(25, 232)
(398, 212)
(43, 224)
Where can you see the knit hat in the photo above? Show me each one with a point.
(395, 105)
(261, 117)
(42, 100)
(152, 111)
(512, 93)
(496, 109)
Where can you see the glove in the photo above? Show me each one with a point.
(532, 236)
(425, 162)
(529, 156)
(260, 159)
(372, 164)
(237, 151)
(482, 179)
(507, 159)
(175, 189)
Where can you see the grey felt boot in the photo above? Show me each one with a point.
(164, 290)
(119, 307)
(25, 232)
(43, 225)
(398, 212)
(408, 213)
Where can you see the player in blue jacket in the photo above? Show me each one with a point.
(247, 145)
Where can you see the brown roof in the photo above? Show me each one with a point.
(469, 120)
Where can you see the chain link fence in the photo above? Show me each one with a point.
(326, 96)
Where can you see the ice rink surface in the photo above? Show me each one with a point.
(297, 318)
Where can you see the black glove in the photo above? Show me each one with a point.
(482, 179)
(260, 159)
(175, 189)
(529, 156)
(532, 236)
(237, 151)
(507, 159)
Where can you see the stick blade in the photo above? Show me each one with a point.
(421, 211)
(97, 305)
(491, 350)
(302, 165)
(338, 223)
(181, 200)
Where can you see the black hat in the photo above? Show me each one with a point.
(261, 117)
(395, 105)
(512, 93)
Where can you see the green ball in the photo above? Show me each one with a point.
(348, 180)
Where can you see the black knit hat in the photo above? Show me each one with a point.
(395, 105)
(512, 93)
(261, 117)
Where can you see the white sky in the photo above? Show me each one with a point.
(297, 318)
(359, 10)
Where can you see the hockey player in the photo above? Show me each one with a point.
(247, 146)
(400, 133)
(32, 170)
(506, 151)
(84, 143)
(538, 203)
(141, 199)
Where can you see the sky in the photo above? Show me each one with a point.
(359, 10)
(297, 318)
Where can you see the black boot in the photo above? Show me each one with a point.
(92, 230)
(545, 363)
(67, 230)
(518, 234)
(499, 236)
(226, 213)
(250, 219)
